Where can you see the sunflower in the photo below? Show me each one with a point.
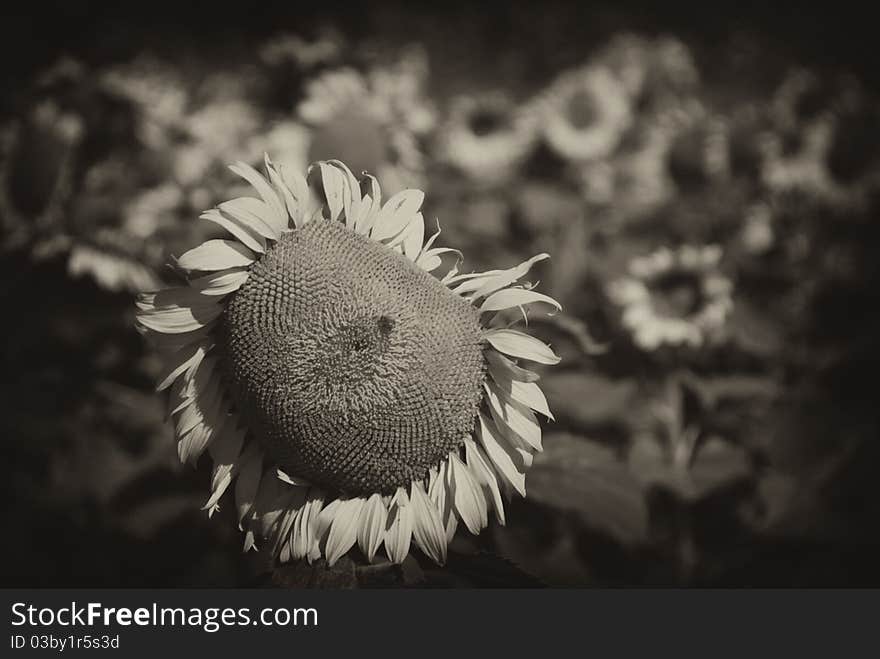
(584, 113)
(352, 396)
(373, 121)
(825, 142)
(487, 136)
(675, 297)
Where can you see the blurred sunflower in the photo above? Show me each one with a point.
(675, 297)
(633, 182)
(372, 121)
(584, 114)
(487, 136)
(354, 397)
(656, 73)
(825, 141)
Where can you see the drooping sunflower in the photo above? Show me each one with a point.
(374, 121)
(674, 297)
(487, 136)
(352, 396)
(584, 113)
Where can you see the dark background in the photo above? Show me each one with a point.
(94, 497)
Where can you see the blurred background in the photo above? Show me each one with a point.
(705, 177)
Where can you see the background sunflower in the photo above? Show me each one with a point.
(735, 448)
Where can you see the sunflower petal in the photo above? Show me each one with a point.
(243, 233)
(501, 455)
(371, 531)
(467, 495)
(505, 278)
(275, 215)
(399, 526)
(517, 344)
(254, 214)
(478, 463)
(503, 370)
(284, 477)
(397, 213)
(217, 255)
(248, 483)
(303, 532)
(413, 238)
(525, 393)
(189, 356)
(351, 198)
(299, 189)
(439, 494)
(343, 532)
(516, 297)
(512, 417)
(428, 531)
(222, 282)
(322, 527)
(334, 184)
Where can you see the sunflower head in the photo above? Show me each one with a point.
(674, 297)
(351, 395)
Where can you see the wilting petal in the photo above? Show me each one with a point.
(517, 344)
(343, 532)
(217, 255)
(399, 526)
(467, 495)
(428, 531)
(371, 531)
